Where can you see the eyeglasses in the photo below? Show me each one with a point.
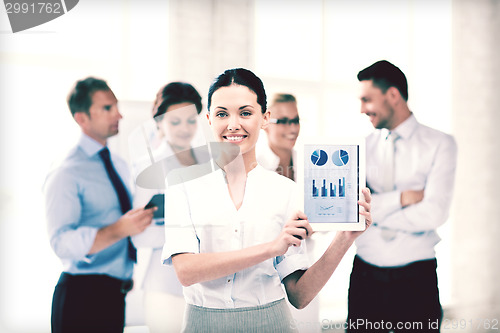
(285, 121)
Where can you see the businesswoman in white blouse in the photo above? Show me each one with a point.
(175, 112)
(234, 235)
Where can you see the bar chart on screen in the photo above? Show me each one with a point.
(336, 188)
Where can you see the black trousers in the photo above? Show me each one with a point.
(400, 299)
(89, 303)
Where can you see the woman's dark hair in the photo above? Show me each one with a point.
(385, 75)
(80, 97)
(176, 93)
(242, 77)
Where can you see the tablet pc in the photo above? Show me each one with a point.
(158, 200)
(331, 175)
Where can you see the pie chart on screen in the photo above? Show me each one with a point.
(340, 157)
(319, 157)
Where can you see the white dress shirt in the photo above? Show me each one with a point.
(424, 158)
(158, 278)
(201, 218)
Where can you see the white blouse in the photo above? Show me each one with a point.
(201, 218)
(158, 278)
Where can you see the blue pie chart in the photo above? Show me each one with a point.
(340, 157)
(319, 157)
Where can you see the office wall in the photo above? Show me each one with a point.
(476, 117)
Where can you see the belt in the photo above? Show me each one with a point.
(92, 279)
(388, 274)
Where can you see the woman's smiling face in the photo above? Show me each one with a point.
(179, 124)
(236, 117)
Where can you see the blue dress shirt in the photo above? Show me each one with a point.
(80, 200)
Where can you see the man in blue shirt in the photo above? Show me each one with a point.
(89, 219)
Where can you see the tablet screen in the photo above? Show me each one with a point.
(331, 185)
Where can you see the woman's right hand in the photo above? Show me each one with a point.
(294, 231)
